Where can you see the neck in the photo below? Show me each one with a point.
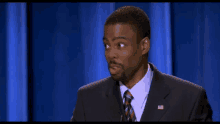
(137, 76)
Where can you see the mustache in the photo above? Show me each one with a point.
(113, 62)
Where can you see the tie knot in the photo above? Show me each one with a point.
(128, 96)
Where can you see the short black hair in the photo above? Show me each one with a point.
(134, 16)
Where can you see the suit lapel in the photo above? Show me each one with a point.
(113, 101)
(157, 94)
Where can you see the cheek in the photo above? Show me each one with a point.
(134, 62)
(129, 61)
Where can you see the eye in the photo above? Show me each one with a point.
(106, 46)
(121, 45)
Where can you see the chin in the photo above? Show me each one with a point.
(116, 77)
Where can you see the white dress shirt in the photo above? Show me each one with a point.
(140, 92)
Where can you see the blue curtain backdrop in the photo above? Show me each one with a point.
(3, 62)
(13, 62)
(67, 52)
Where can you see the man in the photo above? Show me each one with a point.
(136, 89)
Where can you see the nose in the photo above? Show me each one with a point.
(112, 53)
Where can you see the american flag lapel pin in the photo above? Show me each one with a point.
(160, 107)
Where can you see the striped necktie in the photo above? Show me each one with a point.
(129, 111)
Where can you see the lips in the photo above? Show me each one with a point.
(114, 68)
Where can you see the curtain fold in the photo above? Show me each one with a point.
(3, 61)
(196, 41)
(16, 62)
(92, 19)
(161, 45)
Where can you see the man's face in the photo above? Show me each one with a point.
(121, 51)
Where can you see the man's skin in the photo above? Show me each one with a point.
(126, 58)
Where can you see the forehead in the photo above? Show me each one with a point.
(119, 30)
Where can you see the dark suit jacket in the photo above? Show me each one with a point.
(182, 101)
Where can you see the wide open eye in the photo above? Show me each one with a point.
(121, 45)
(106, 46)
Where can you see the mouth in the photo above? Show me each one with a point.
(115, 66)
(114, 69)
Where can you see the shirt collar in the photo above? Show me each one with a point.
(141, 89)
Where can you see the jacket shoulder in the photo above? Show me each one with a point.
(175, 82)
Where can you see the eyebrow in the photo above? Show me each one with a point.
(115, 38)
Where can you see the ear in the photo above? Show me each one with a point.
(145, 45)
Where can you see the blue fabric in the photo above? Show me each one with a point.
(161, 46)
(58, 60)
(3, 61)
(68, 52)
(16, 62)
(196, 52)
(92, 19)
